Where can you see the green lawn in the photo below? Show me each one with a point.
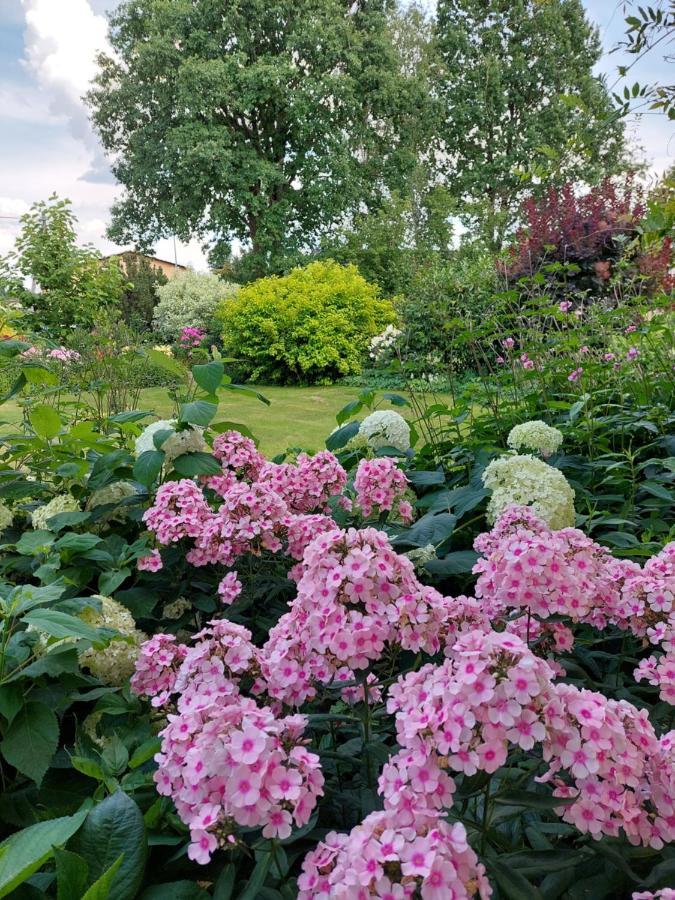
(297, 416)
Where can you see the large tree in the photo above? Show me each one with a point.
(521, 103)
(262, 121)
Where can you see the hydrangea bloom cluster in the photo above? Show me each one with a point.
(224, 760)
(523, 480)
(386, 428)
(380, 485)
(383, 857)
(115, 663)
(622, 776)
(535, 435)
(186, 440)
(111, 494)
(6, 516)
(60, 504)
(355, 596)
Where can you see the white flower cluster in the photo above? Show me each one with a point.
(190, 440)
(386, 428)
(535, 435)
(59, 504)
(527, 481)
(112, 493)
(420, 556)
(176, 608)
(166, 349)
(114, 664)
(382, 343)
(6, 516)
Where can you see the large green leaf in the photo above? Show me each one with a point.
(71, 875)
(197, 463)
(100, 889)
(31, 740)
(61, 625)
(168, 363)
(148, 466)
(342, 436)
(115, 827)
(23, 853)
(209, 375)
(199, 412)
(45, 420)
(458, 563)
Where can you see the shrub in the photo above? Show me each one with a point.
(189, 300)
(312, 325)
(140, 295)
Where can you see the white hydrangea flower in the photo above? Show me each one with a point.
(421, 555)
(527, 481)
(382, 343)
(112, 493)
(6, 516)
(146, 439)
(60, 504)
(190, 440)
(535, 435)
(386, 428)
(114, 664)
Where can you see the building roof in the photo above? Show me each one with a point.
(167, 262)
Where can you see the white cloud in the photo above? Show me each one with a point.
(61, 43)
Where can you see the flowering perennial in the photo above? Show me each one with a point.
(535, 435)
(386, 428)
(523, 480)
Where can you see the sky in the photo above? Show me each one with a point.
(47, 50)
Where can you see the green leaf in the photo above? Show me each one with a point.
(531, 800)
(25, 852)
(45, 420)
(430, 529)
(396, 399)
(31, 740)
(225, 885)
(425, 479)
(209, 376)
(115, 827)
(148, 466)
(78, 543)
(247, 391)
(108, 582)
(167, 363)
(342, 436)
(11, 348)
(458, 563)
(257, 878)
(71, 875)
(145, 752)
(176, 890)
(199, 412)
(33, 542)
(36, 374)
(100, 889)
(197, 463)
(88, 767)
(220, 427)
(61, 625)
(511, 883)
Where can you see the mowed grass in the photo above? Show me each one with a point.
(296, 417)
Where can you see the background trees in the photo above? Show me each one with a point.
(264, 122)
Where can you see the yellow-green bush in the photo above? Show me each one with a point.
(311, 326)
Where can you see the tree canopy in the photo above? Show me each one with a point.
(520, 100)
(264, 121)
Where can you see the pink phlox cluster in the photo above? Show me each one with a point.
(246, 522)
(527, 565)
(238, 454)
(619, 776)
(646, 603)
(64, 355)
(150, 563)
(383, 858)
(356, 693)
(489, 694)
(300, 531)
(191, 336)
(156, 668)
(659, 670)
(229, 588)
(355, 596)
(224, 760)
(661, 894)
(307, 485)
(379, 486)
(179, 511)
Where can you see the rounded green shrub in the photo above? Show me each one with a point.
(189, 300)
(311, 326)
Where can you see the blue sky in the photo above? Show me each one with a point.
(46, 60)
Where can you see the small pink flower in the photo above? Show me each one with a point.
(150, 563)
(565, 306)
(632, 354)
(575, 375)
(508, 343)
